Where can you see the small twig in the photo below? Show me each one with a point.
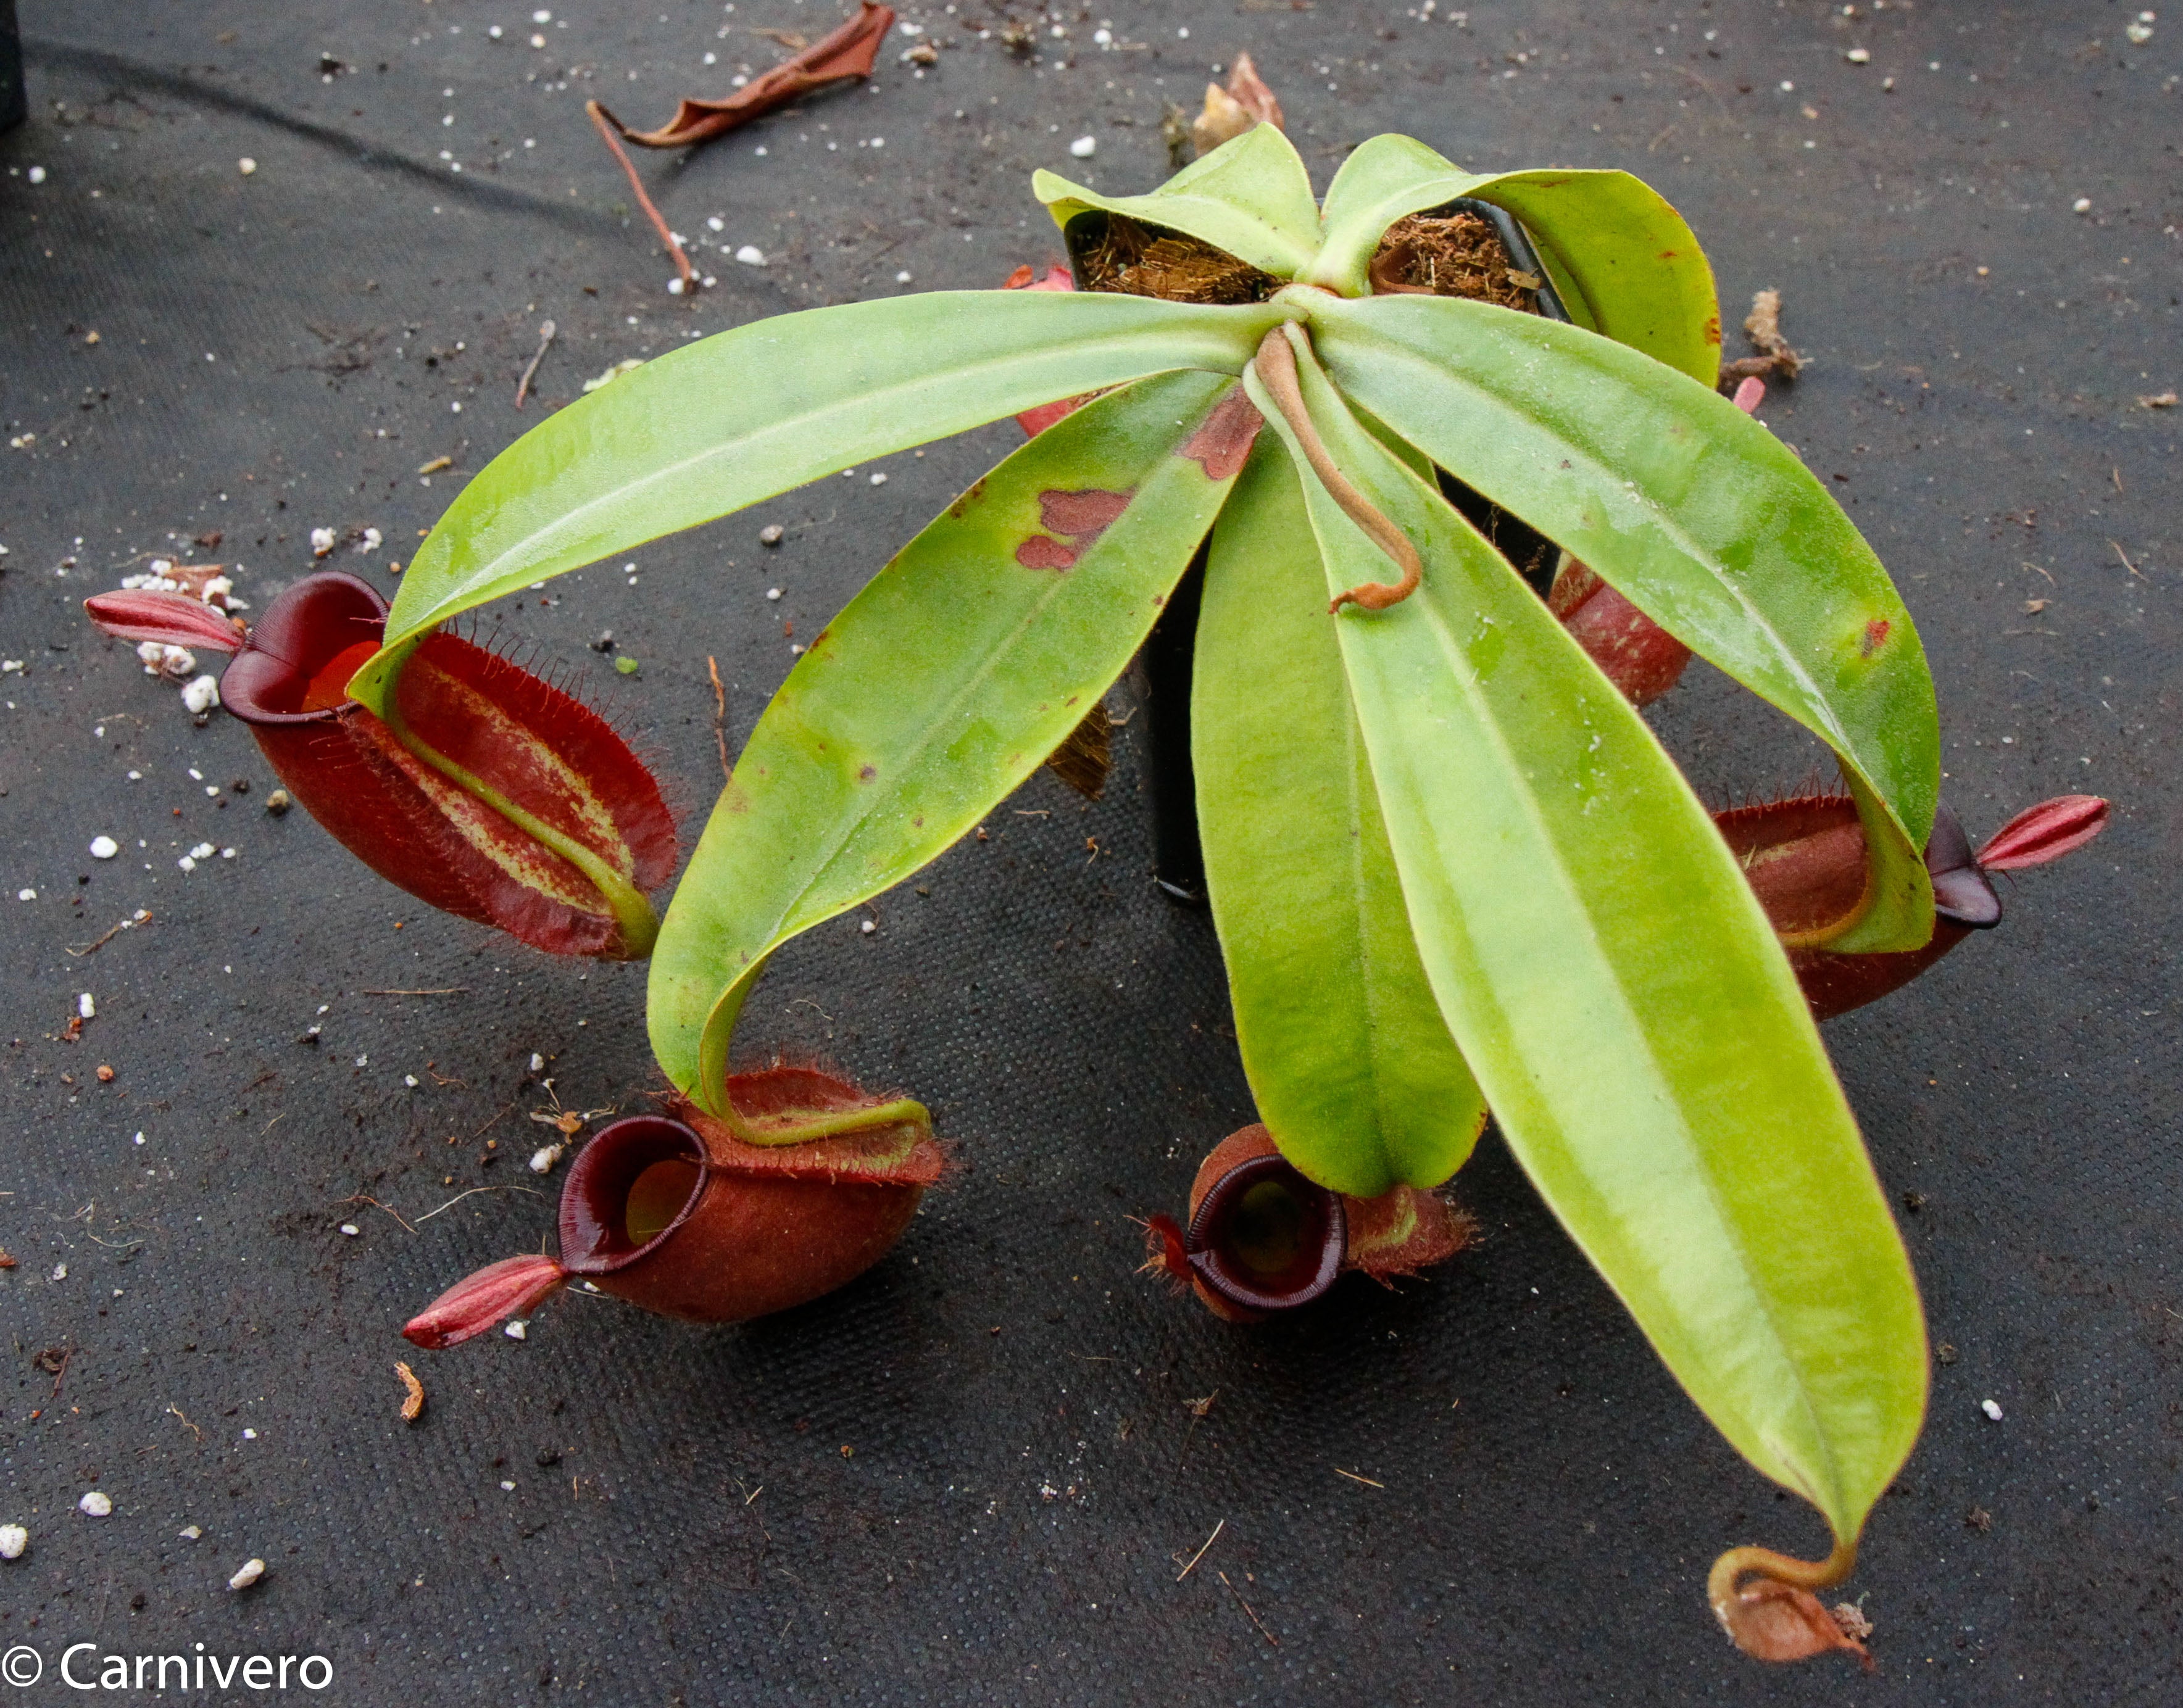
(1247, 1613)
(546, 330)
(1200, 1553)
(193, 1429)
(719, 718)
(447, 991)
(495, 1121)
(114, 932)
(360, 1198)
(637, 183)
(473, 1192)
(1354, 1478)
(61, 1373)
(2125, 555)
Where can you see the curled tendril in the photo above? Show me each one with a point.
(1276, 366)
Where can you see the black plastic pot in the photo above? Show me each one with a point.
(14, 103)
(1178, 858)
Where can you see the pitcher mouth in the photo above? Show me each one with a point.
(1266, 1238)
(296, 665)
(638, 1180)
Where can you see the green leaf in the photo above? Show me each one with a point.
(1250, 197)
(745, 414)
(1349, 1063)
(1615, 987)
(1695, 514)
(1626, 262)
(940, 687)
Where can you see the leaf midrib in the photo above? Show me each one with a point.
(569, 522)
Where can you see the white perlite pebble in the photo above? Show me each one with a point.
(36, 175)
(246, 165)
(2083, 204)
(86, 1006)
(322, 541)
(1991, 1408)
(27, 894)
(189, 1532)
(537, 1062)
(751, 255)
(351, 1229)
(868, 927)
(104, 847)
(517, 1330)
(1084, 147)
(202, 696)
(251, 1571)
(544, 1157)
(14, 1539)
(97, 1504)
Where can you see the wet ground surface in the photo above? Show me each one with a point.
(973, 1476)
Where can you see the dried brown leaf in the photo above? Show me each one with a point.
(842, 56)
(1229, 113)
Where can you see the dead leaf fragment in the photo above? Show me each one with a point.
(1763, 325)
(2158, 400)
(1229, 113)
(844, 56)
(1851, 1618)
(413, 1400)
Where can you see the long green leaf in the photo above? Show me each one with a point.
(1251, 197)
(1349, 1063)
(939, 688)
(1624, 260)
(748, 414)
(1615, 987)
(1695, 514)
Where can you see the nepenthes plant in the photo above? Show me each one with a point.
(1451, 868)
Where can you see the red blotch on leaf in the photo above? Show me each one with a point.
(1224, 438)
(1080, 518)
(1875, 636)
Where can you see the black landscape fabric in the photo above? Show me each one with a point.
(973, 1476)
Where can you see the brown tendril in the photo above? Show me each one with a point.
(1276, 366)
(1729, 1571)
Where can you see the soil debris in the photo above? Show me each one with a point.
(1114, 252)
(1086, 757)
(1451, 255)
(2157, 400)
(413, 1398)
(1763, 325)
